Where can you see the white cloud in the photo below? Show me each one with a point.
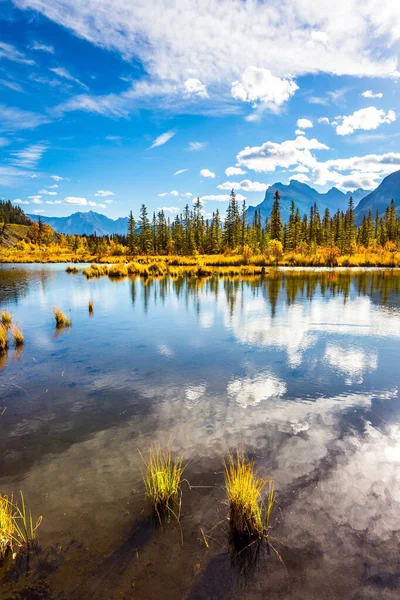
(61, 72)
(246, 185)
(370, 94)
(300, 132)
(207, 173)
(11, 53)
(260, 85)
(222, 197)
(12, 85)
(302, 177)
(37, 201)
(29, 156)
(53, 201)
(195, 146)
(324, 120)
(4, 142)
(230, 171)
(174, 193)
(56, 178)
(42, 47)
(13, 119)
(357, 171)
(171, 209)
(194, 87)
(270, 155)
(74, 200)
(47, 192)
(163, 139)
(104, 193)
(180, 171)
(304, 123)
(54, 186)
(37, 197)
(19, 201)
(38, 212)
(365, 119)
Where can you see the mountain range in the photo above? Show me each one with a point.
(303, 195)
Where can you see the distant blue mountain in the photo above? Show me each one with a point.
(304, 197)
(87, 223)
(379, 199)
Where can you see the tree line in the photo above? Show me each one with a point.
(190, 232)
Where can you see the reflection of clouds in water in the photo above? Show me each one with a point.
(353, 361)
(249, 391)
(206, 319)
(165, 350)
(296, 327)
(193, 394)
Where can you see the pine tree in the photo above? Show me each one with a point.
(276, 229)
(145, 236)
(131, 237)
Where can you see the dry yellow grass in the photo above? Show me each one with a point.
(7, 526)
(6, 318)
(162, 480)
(249, 513)
(18, 336)
(90, 306)
(61, 319)
(3, 339)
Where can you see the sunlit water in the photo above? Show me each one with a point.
(300, 369)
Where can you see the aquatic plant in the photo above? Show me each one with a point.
(61, 319)
(118, 271)
(3, 338)
(7, 526)
(6, 318)
(17, 335)
(72, 269)
(249, 513)
(162, 480)
(90, 306)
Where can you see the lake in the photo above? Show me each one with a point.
(299, 368)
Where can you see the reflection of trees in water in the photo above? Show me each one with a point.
(382, 287)
(15, 283)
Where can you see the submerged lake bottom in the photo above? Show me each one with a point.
(298, 368)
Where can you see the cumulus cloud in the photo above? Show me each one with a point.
(75, 200)
(104, 193)
(304, 123)
(19, 201)
(324, 120)
(370, 94)
(222, 197)
(207, 173)
(48, 192)
(365, 119)
(260, 85)
(171, 209)
(174, 193)
(56, 178)
(300, 132)
(246, 185)
(194, 87)
(302, 177)
(163, 139)
(234, 171)
(195, 146)
(270, 155)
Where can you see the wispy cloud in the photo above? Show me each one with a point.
(196, 146)
(11, 53)
(42, 47)
(180, 171)
(104, 193)
(163, 139)
(13, 119)
(12, 85)
(30, 156)
(61, 72)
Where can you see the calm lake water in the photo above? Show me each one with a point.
(300, 368)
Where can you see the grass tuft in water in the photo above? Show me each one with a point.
(61, 319)
(6, 318)
(249, 512)
(90, 306)
(162, 480)
(7, 527)
(72, 269)
(17, 335)
(3, 339)
(120, 270)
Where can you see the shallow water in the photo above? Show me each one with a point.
(300, 368)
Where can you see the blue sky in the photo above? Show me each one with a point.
(106, 104)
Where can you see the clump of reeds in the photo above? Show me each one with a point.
(249, 512)
(61, 319)
(162, 480)
(17, 528)
(72, 269)
(17, 335)
(6, 318)
(90, 306)
(3, 338)
(95, 271)
(7, 526)
(120, 270)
